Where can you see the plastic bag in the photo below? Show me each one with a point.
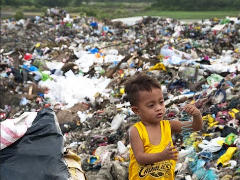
(74, 165)
(13, 129)
(38, 154)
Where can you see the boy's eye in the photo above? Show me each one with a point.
(150, 105)
(161, 102)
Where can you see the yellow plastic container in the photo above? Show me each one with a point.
(226, 156)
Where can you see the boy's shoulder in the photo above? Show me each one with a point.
(134, 126)
(137, 126)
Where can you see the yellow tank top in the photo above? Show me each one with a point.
(159, 170)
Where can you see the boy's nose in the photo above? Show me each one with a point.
(159, 107)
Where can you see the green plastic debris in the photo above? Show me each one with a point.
(69, 25)
(214, 79)
(229, 140)
(225, 21)
(45, 77)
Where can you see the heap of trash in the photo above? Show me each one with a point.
(76, 67)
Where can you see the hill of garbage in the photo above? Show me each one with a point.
(77, 66)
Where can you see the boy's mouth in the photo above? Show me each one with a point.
(159, 115)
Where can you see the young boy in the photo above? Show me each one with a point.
(152, 154)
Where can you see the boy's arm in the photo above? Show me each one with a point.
(196, 124)
(147, 158)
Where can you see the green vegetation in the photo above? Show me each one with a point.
(109, 10)
(116, 9)
(19, 15)
(183, 5)
(191, 14)
(199, 5)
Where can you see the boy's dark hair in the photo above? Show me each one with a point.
(140, 82)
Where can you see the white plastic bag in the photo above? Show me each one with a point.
(13, 129)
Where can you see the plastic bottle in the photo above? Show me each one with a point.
(117, 121)
(121, 147)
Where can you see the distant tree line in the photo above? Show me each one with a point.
(37, 3)
(190, 5)
(194, 5)
(59, 3)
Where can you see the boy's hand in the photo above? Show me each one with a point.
(192, 110)
(170, 153)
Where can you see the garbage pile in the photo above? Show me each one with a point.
(78, 65)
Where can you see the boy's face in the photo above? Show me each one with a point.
(150, 106)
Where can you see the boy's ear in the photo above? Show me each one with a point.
(135, 109)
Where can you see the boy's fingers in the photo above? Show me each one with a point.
(174, 153)
(175, 156)
(173, 148)
(169, 145)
